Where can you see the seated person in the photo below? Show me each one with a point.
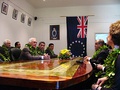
(17, 44)
(111, 79)
(15, 53)
(41, 48)
(30, 52)
(50, 51)
(101, 53)
(2, 53)
(111, 45)
(7, 46)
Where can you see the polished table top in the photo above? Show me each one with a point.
(44, 74)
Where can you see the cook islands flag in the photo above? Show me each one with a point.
(77, 35)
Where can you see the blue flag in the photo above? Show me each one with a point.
(77, 35)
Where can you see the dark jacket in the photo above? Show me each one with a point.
(26, 55)
(100, 58)
(51, 53)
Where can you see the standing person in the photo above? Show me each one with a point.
(50, 51)
(17, 45)
(111, 79)
(30, 52)
(7, 46)
(41, 48)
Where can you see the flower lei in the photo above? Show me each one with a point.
(3, 57)
(6, 57)
(51, 51)
(33, 51)
(110, 71)
(99, 50)
(40, 52)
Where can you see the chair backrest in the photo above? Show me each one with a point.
(2, 53)
(15, 54)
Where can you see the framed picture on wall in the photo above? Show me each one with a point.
(4, 8)
(15, 14)
(54, 32)
(23, 18)
(29, 21)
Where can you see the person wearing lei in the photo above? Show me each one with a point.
(50, 51)
(6, 47)
(110, 80)
(101, 53)
(41, 48)
(104, 47)
(2, 57)
(30, 51)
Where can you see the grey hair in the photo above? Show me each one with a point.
(6, 40)
(31, 39)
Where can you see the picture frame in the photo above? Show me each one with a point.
(4, 8)
(54, 32)
(15, 14)
(29, 21)
(23, 18)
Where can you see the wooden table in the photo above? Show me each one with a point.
(44, 74)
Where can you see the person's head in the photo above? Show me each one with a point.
(7, 43)
(51, 46)
(33, 42)
(41, 45)
(114, 33)
(99, 43)
(17, 44)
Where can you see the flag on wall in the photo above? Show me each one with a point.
(77, 35)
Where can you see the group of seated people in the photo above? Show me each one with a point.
(106, 62)
(30, 52)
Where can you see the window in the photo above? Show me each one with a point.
(101, 36)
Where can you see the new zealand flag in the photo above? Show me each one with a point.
(77, 35)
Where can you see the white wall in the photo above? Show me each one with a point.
(13, 29)
(17, 31)
(102, 17)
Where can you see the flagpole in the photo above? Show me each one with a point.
(77, 15)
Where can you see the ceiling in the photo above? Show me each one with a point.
(67, 3)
